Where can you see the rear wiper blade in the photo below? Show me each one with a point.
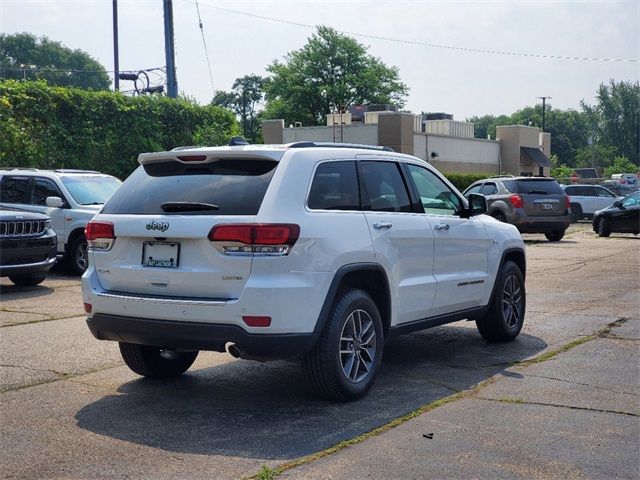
(187, 206)
(541, 192)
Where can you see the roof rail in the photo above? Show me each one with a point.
(503, 176)
(338, 145)
(185, 147)
(30, 169)
(73, 170)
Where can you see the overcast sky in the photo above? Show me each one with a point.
(440, 79)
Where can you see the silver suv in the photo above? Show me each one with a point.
(532, 204)
(312, 251)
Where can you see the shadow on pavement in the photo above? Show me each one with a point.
(20, 293)
(267, 411)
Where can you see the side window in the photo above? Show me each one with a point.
(603, 192)
(437, 198)
(570, 190)
(384, 186)
(43, 188)
(335, 187)
(489, 189)
(631, 200)
(474, 189)
(14, 189)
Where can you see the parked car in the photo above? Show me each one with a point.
(70, 197)
(532, 204)
(619, 189)
(313, 251)
(587, 199)
(621, 217)
(625, 178)
(27, 246)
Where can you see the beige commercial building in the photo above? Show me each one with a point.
(449, 145)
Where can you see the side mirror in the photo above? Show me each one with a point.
(618, 203)
(55, 202)
(477, 205)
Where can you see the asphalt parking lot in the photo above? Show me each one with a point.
(562, 401)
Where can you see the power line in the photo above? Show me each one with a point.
(426, 44)
(206, 52)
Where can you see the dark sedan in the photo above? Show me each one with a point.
(621, 217)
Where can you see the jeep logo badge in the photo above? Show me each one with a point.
(162, 226)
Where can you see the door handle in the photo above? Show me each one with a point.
(382, 225)
(442, 226)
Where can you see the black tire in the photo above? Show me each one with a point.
(554, 235)
(604, 227)
(576, 212)
(503, 321)
(148, 361)
(27, 280)
(499, 216)
(341, 367)
(78, 255)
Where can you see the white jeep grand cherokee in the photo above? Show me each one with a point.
(312, 251)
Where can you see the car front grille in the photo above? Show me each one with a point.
(22, 228)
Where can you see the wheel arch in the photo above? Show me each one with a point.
(369, 277)
(77, 232)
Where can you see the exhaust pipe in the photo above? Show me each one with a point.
(235, 352)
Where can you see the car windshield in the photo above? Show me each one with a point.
(633, 199)
(91, 190)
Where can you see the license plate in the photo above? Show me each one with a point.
(547, 206)
(160, 254)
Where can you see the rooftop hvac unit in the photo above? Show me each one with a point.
(337, 119)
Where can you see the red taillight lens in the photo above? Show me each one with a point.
(87, 307)
(516, 201)
(193, 158)
(99, 230)
(285, 234)
(261, 238)
(568, 202)
(232, 233)
(100, 235)
(257, 321)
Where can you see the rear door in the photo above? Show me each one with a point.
(542, 197)
(403, 239)
(164, 250)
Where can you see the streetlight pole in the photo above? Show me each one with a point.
(544, 108)
(172, 81)
(116, 60)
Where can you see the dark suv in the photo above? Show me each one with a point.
(28, 246)
(533, 204)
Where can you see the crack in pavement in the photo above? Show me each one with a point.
(580, 383)
(30, 322)
(62, 376)
(519, 401)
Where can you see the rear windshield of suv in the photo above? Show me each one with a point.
(236, 187)
(542, 187)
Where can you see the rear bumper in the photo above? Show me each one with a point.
(528, 224)
(197, 336)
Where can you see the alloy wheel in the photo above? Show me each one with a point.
(512, 301)
(357, 346)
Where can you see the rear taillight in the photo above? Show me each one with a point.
(100, 235)
(257, 321)
(192, 158)
(264, 239)
(568, 202)
(516, 201)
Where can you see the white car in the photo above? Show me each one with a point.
(70, 197)
(585, 200)
(313, 251)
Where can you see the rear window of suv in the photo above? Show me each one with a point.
(236, 186)
(542, 187)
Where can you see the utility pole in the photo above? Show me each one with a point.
(172, 81)
(116, 60)
(544, 108)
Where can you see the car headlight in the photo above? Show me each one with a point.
(47, 224)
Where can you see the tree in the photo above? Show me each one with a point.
(597, 155)
(247, 93)
(23, 56)
(332, 69)
(620, 165)
(615, 118)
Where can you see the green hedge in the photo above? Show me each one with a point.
(55, 127)
(463, 180)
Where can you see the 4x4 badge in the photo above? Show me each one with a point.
(153, 225)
